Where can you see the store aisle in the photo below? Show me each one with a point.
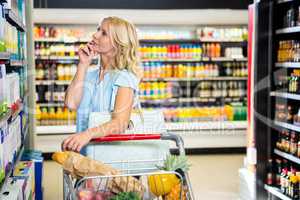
(213, 177)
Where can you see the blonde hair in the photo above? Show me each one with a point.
(124, 39)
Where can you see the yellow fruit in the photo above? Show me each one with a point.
(60, 157)
(175, 193)
(162, 184)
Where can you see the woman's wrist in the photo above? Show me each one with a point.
(94, 132)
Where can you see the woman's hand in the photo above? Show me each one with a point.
(86, 55)
(76, 141)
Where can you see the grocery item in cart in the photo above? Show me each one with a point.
(80, 166)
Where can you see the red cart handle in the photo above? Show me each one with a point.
(127, 137)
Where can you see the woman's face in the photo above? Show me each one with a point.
(101, 39)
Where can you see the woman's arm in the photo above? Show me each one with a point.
(75, 89)
(118, 124)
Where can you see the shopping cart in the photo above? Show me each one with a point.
(146, 183)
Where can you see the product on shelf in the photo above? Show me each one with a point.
(288, 142)
(208, 113)
(157, 90)
(54, 116)
(153, 34)
(234, 52)
(285, 176)
(67, 34)
(60, 49)
(222, 34)
(292, 17)
(194, 70)
(55, 71)
(215, 89)
(13, 92)
(3, 88)
(170, 51)
(288, 51)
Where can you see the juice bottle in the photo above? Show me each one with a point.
(44, 116)
(209, 50)
(65, 116)
(213, 50)
(218, 50)
(38, 114)
(60, 72)
(59, 116)
(154, 52)
(164, 52)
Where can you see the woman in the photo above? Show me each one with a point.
(111, 88)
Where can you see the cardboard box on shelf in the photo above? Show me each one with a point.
(25, 170)
(13, 190)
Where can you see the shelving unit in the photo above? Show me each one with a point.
(287, 156)
(288, 64)
(288, 30)
(273, 99)
(186, 84)
(218, 78)
(285, 95)
(276, 192)
(19, 65)
(287, 126)
(14, 20)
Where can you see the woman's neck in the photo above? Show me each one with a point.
(106, 63)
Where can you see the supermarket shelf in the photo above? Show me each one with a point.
(284, 1)
(11, 166)
(62, 40)
(288, 30)
(50, 104)
(224, 41)
(66, 58)
(285, 95)
(177, 40)
(217, 78)
(174, 60)
(4, 56)
(50, 82)
(195, 126)
(276, 192)
(288, 64)
(14, 20)
(17, 63)
(45, 130)
(217, 125)
(206, 59)
(191, 99)
(57, 57)
(229, 59)
(287, 126)
(287, 156)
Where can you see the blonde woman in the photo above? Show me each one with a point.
(111, 88)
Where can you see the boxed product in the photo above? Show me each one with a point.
(12, 5)
(24, 170)
(12, 190)
(5, 144)
(3, 100)
(13, 94)
(3, 126)
(36, 157)
(14, 128)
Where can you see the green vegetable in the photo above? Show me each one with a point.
(126, 196)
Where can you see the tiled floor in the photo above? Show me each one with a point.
(213, 177)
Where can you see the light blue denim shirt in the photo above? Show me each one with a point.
(99, 96)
